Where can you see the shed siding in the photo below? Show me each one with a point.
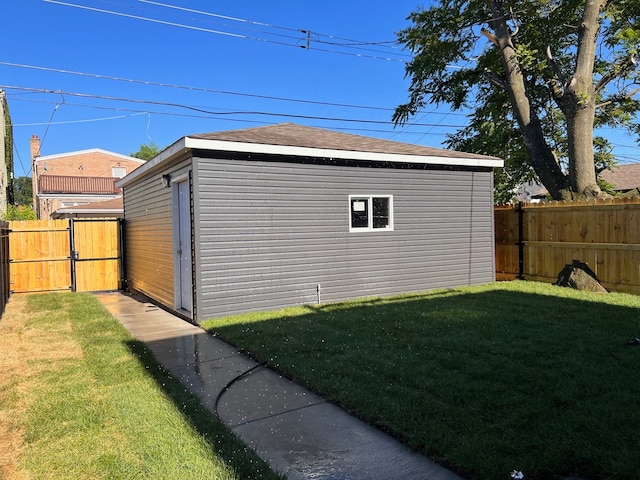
(270, 233)
(149, 236)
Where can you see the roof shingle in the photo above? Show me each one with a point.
(623, 177)
(293, 135)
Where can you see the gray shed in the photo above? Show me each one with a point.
(267, 217)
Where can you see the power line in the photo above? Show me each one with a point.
(72, 122)
(235, 19)
(217, 15)
(352, 43)
(136, 17)
(224, 115)
(191, 88)
(216, 32)
(133, 112)
(218, 113)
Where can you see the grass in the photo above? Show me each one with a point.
(485, 380)
(79, 398)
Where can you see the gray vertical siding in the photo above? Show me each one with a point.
(268, 233)
(149, 235)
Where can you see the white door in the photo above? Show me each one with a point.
(183, 281)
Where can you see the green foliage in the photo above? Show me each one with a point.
(23, 191)
(8, 146)
(454, 63)
(19, 212)
(147, 151)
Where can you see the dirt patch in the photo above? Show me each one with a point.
(27, 348)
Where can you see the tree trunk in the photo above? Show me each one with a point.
(544, 162)
(582, 172)
(578, 105)
(542, 159)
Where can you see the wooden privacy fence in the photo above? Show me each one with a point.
(78, 255)
(4, 265)
(535, 241)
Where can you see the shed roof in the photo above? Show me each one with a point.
(113, 207)
(293, 135)
(292, 140)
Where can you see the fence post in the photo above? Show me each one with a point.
(5, 269)
(520, 210)
(73, 255)
(123, 254)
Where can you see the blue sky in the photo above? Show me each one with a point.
(159, 70)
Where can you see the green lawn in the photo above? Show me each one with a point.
(80, 399)
(508, 376)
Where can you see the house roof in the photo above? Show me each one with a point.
(623, 177)
(288, 139)
(87, 152)
(107, 208)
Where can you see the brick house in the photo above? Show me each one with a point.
(76, 178)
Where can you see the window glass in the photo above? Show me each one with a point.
(359, 212)
(380, 212)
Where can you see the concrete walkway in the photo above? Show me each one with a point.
(295, 431)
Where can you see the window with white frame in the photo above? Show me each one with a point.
(371, 213)
(118, 172)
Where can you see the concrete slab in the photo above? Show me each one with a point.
(263, 394)
(209, 379)
(322, 442)
(297, 432)
(187, 350)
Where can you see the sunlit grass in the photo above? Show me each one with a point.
(92, 403)
(489, 379)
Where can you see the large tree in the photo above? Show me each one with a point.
(538, 76)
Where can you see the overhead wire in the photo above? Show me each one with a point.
(86, 120)
(211, 112)
(352, 42)
(44, 136)
(134, 112)
(137, 17)
(192, 88)
(304, 44)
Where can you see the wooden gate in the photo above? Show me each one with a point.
(76, 254)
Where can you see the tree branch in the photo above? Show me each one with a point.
(623, 66)
(496, 79)
(618, 99)
(556, 69)
(515, 22)
(490, 35)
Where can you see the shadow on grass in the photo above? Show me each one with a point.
(245, 463)
(489, 381)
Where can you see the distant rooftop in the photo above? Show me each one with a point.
(623, 177)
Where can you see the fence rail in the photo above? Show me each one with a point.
(535, 241)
